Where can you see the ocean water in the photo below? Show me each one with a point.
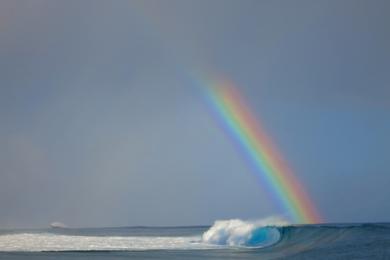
(230, 239)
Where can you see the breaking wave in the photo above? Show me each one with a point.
(239, 233)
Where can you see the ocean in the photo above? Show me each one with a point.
(232, 239)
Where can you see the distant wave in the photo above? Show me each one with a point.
(57, 224)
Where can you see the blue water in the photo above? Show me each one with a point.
(331, 241)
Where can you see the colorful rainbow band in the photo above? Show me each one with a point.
(269, 166)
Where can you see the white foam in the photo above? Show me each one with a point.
(54, 242)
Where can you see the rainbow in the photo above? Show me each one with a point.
(256, 146)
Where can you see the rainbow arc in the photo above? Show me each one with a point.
(256, 145)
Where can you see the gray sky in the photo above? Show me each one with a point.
(101, 124)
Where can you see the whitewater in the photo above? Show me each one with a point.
(271, 238)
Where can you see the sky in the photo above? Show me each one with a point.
(102, 122)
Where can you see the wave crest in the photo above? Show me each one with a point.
(236, 232)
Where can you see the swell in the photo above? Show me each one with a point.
(318, 239)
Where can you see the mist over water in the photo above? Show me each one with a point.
(97, 110)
